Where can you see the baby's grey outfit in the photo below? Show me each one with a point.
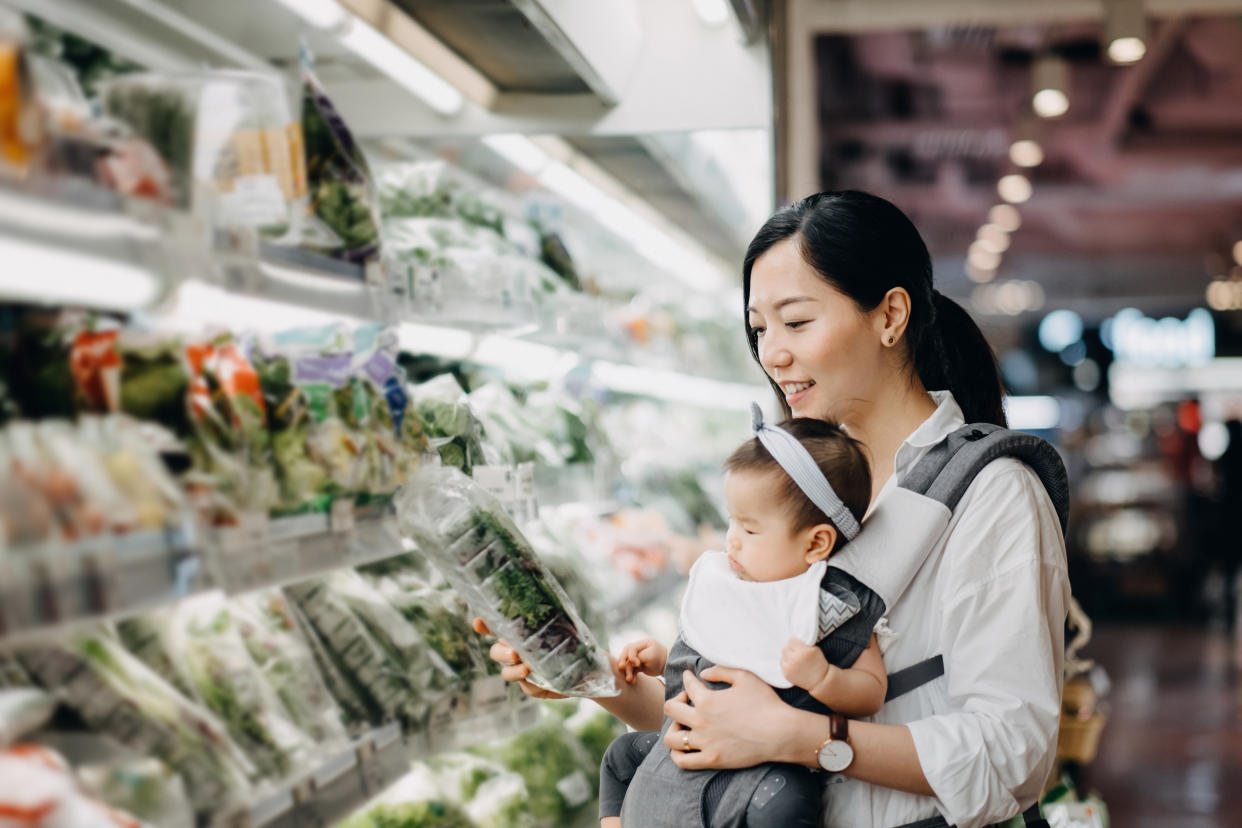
(640, 782)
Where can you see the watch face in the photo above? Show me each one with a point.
(836, 756)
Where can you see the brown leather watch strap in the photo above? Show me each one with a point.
(838, 728)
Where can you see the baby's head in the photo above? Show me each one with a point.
(775, 530)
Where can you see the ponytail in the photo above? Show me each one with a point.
(864, 247)
(956, 356)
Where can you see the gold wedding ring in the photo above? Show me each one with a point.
(685, 741)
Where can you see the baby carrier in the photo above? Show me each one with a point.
(863, 579)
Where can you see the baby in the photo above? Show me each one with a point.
(772, 605)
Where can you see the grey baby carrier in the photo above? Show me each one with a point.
(863, 579)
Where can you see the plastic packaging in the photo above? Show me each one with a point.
(21, 121)
(40, 791)
(452, 427)
(232, 148)
(205, 634)
(23, 710)
(117, 694)
(342, 196)
(466, 533)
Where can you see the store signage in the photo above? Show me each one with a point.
(1169, 343)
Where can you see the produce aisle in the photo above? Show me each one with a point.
(275, 404)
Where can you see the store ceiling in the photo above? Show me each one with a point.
(1140, 196)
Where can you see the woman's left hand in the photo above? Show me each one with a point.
(736, 727)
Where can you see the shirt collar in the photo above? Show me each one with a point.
(946, 419)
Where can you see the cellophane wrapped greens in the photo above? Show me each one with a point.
(206, 634)
(468, 535)
(118, 695)
(452, 427)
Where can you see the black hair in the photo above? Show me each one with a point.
(864, 247)
(840, 457)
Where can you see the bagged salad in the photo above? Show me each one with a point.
(468, 535)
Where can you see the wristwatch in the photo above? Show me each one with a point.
(835, 755)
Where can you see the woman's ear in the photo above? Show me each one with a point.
(820, 541)
(894, 316)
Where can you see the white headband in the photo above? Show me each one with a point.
(799, 465)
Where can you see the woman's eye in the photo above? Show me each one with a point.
(796, 325)
(756, 332)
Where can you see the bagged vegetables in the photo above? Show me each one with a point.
(454, 430)
(341, 192)
(40, 791)
(205, 634)
(467, 534)
(117, 694)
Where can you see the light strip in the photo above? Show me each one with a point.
(449, 343)
(380, 51)
(49, 275)
(322, 14)
(311, 280)
(686, 260)
(42, 217)
(198, 306)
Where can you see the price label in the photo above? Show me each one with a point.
(525, 481)
(342, 515)
(498, 481)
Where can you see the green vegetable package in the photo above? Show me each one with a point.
(466, 533)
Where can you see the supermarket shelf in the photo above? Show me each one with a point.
(659, 589)
(349, 778)
(47, 592)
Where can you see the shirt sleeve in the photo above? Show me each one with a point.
(1003, 630)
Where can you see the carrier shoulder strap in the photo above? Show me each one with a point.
(949, 467)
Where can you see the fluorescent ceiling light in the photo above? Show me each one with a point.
(1032, 413)
(689, 264)
(519, 151)
(1014, 188)
(322, 14)
(713, 13)
(44, 274)
(380, 51)
(1026, 153)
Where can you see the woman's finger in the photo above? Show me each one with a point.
(682, 714)
(676, 738)
(695, 690)
(504, 655)
(480, 626)
(515, 672)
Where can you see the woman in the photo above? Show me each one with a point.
(842, 316)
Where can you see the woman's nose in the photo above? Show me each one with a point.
(773, 353)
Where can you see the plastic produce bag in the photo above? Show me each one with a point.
(452, 427)
(284, 658)
(205, 633)
(342, 195)
(117, 694)
(441, 622)
(379, 678)
(144, 787)
(467, 534)
(557, 771)
(493, 796)
(40, 791)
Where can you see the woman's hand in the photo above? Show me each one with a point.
(512, 666)
(736, 727)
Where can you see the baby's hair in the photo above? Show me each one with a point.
(840, 457)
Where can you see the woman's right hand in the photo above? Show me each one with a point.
(512, 668)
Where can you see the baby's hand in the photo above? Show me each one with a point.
(803, 664)
(643, 656)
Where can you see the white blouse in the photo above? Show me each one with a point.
(992, 598)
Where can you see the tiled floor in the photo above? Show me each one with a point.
(1171, 756)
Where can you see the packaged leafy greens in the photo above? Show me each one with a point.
(117, 694)
(341, 192)
(467, 534)
(205, 634)
(452, 427)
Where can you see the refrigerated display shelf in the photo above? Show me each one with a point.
(347, 779)
(50, 591)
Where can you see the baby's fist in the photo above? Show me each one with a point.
(643, 656)
(803, 664)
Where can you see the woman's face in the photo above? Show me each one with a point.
(814, 342)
